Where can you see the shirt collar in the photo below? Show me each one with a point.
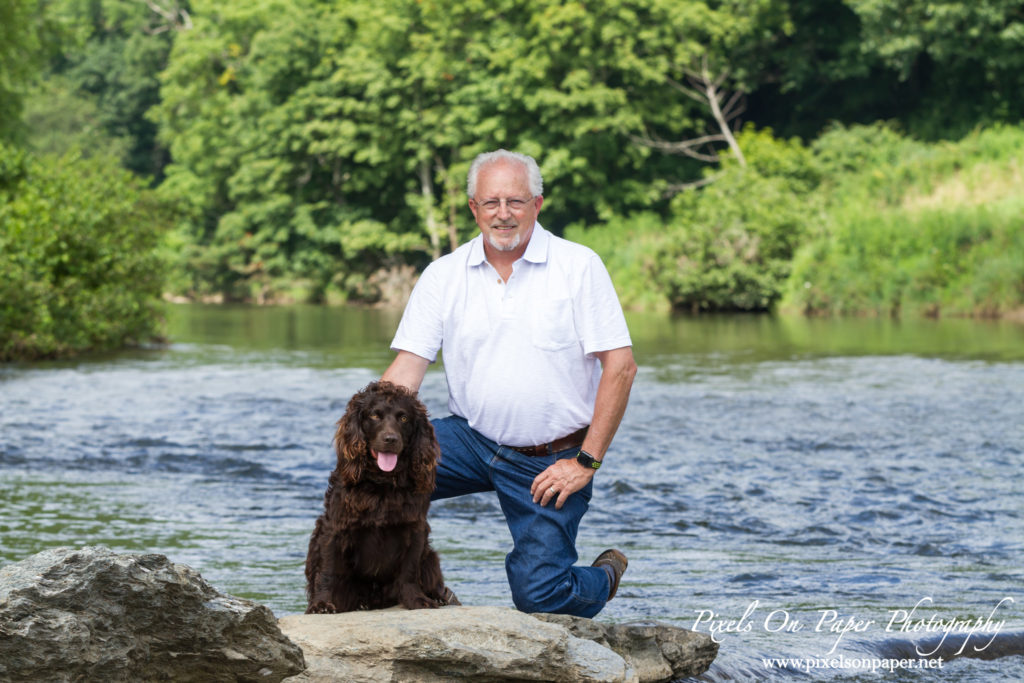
(536, 248)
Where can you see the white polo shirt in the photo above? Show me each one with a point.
(518, 356)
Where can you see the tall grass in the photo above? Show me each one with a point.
(924, 230)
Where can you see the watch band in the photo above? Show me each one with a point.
(587, 460)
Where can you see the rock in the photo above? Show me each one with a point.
(657, 652)
(491, 644)
(477, 643)
(91, 614)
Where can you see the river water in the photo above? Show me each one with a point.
(844, 494)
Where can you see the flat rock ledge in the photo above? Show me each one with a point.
(490, 644)
(90, 614)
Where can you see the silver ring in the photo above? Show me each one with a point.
(552, 489)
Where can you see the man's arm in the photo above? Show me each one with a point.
(617, 372)
(567, 476)
(407, 370)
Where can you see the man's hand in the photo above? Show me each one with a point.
(559, 481)
(567, 476)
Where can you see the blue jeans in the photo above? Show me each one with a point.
(540, 567)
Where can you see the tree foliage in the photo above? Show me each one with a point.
(732, 242)
(318, 150)
(109, 59)
(941, 67)
(79, 261)
(728, 245)
(25, 36)
(300, 130)
(941, 47)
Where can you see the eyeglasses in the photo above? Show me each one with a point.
(514, 204)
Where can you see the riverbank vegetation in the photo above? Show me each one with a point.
(923, 230)
(861, 221)
(836, 157)
(80, 256)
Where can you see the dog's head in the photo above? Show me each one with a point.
(385, 435)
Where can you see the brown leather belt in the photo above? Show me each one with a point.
(574, 440)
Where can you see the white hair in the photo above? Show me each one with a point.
(533, 179)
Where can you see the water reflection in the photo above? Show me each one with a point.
(355, 336)
(757, 338)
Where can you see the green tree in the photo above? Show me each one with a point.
(267, 124)
(102, 80)
(961, 61)
(325, 143)
(940, 67)
(24, 37)
(729, 245)
(79, 262)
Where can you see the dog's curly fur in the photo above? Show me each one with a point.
(370, 547)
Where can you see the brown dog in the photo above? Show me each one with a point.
(370, 547)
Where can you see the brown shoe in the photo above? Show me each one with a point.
(615, 563)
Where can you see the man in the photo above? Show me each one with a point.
(539, 366)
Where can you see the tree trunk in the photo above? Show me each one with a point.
(427, 191)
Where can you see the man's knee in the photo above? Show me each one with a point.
(545, 588)
(558, 599)
(535, 597)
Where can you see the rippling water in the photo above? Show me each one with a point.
(774, 484)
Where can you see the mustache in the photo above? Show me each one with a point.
(505, 224)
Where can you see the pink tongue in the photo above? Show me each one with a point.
(387, 461)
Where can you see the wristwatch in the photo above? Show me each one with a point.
(587, 460)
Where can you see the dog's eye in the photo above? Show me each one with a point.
(374, 416)
(403, 418)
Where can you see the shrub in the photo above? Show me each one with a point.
(79, 263)
(729, 244)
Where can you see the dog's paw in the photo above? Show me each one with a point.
(321, 607)
(424, 602)
(413, 597)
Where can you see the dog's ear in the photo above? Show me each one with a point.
(350, 441)
(425, 449)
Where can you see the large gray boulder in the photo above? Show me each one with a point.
(90, 614)
(490, 644)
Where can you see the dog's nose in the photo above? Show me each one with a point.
(390, 439)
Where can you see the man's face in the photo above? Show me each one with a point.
(503, 206)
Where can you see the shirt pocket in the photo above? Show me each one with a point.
(553, 326)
